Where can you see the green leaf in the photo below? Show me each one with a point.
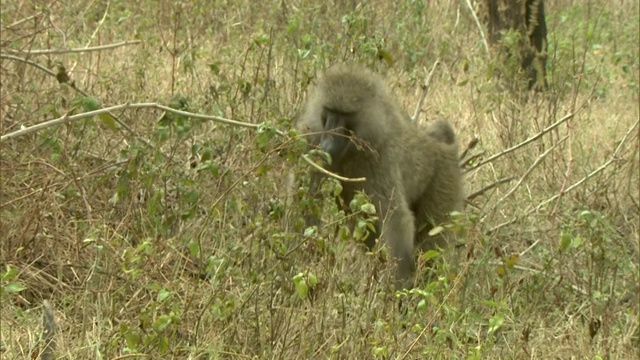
(360, 230)
(214, 67)
(261, 39)
(495, 322)
(565, 240)
(428, 255)
(163, 294)
(14, 287)
(90, 103)
(133, 340)
(194, 248)
(209, 166)
(163, 344)
(108, 121)
(386, 56)
(368, 209)
(577, 242)
(310, 231)
(302, 289)
(343, 233)
(179, 102)
(436, 230)
(313, 280)
(162, 322)
(9, 275)
(511, 260)
(381, 352)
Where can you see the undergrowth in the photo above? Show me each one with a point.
(158, 234)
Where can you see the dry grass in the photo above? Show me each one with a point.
(188, 248)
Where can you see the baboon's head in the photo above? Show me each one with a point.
(348, 103)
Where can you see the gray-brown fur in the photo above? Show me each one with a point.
(412, 172)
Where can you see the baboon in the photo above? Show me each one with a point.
(412, 173)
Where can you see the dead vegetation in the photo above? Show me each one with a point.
(154, 233)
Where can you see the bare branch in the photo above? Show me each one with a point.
(32, 63)
(475, 18)
(425, 90)
(524, 176)
(48, 331)
(489, 187)
(75, 50)
(72, 85)
(522, 144)
(328, 173)
(66, 118)
(24, 20)
(598, 170)
(471, 158)
(470, 146)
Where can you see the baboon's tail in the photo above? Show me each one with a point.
(48, 330)
(442, 131)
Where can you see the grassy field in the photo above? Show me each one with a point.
(156, 235)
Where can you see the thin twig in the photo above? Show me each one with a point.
(489, 187)
(470, 146)
(425, 90)
(329, 173)
(471, 158)
(533, 166)
(24, 20)
(522, 144)
(23, 60)
(536, 271)
(599, 169)
(475, 18)
(100, 23)
(73, 86)
(74, 50)
(524, 176)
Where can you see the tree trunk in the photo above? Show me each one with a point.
(526, 18)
